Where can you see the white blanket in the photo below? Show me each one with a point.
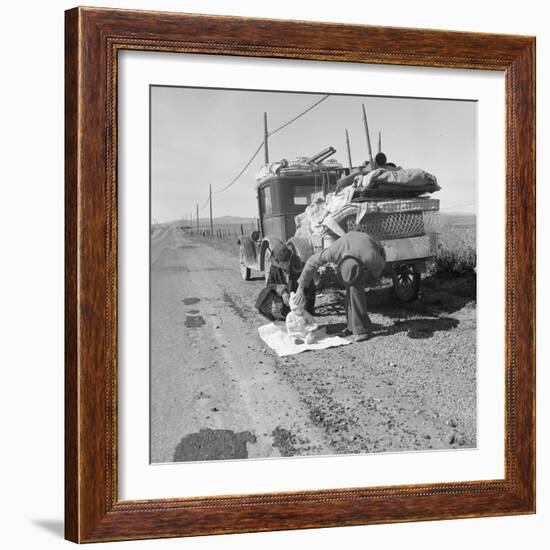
(275, 336)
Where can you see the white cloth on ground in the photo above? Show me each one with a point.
(276, 337)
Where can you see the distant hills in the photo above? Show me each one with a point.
(222, 220)
(450, 218)
(458, 218)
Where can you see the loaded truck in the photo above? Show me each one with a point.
(397, 220)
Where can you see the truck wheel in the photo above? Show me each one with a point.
(406, 283)
(245, 271)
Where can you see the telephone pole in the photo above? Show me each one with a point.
(197, 217)
(211, 222)
(266, 151)
(371, 159)
(349, 150)
(379, 142)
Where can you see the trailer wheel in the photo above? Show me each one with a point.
(406, 282)
(245, 271)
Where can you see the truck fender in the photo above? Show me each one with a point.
(268, 242)
(248, 251)
(301, 247)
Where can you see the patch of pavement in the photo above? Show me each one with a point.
(208, 444)
(194, 321)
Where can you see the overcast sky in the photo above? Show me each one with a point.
(201, 136)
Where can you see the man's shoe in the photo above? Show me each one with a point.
(361, 337)
(345, 333)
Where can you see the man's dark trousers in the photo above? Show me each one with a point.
(356, 310)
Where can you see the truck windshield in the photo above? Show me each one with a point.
(303, 194)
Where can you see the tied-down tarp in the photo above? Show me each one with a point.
(400, 179)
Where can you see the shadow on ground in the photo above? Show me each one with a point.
(422, 318)
(414, 328)
(417, 328)
(438, 296)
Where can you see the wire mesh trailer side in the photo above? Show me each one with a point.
(395, 219)
(396, 226)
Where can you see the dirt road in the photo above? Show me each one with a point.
(217, 392)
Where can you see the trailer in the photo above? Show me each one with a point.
(400, 223)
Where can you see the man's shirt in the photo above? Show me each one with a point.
(360, 245)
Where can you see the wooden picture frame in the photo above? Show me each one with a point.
(93, 511)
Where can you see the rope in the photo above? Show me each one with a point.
(293, 119)
(234, 180)
(299, 115)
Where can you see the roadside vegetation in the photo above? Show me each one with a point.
(457, 251)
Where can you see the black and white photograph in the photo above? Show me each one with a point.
(312, 274)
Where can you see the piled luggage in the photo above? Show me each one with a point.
(399, 180)
(388, 203)
(300, 166)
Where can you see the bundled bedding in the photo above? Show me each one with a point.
(398, 180)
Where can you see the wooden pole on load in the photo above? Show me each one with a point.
(211, 222)
(266, 151)
(349, 150)
(197, 217)
(371, 159)
(379, 142)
